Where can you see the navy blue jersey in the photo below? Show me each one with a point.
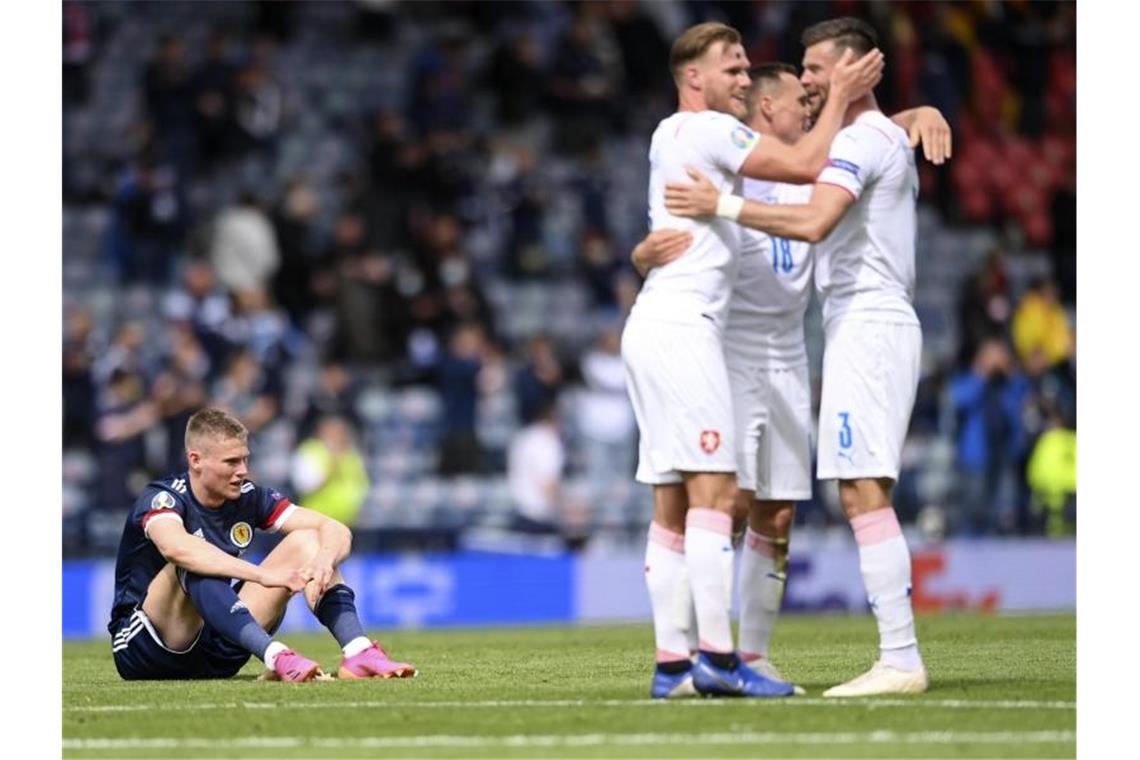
(230, 527)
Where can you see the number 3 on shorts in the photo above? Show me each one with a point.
(844, 430)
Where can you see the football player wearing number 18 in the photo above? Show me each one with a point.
(862, 218)
(187, 606)
(766, 355)
(674, 361)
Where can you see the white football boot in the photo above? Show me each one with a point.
(765, 668)
(882, 679)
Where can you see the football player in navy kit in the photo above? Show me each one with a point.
(187, 606)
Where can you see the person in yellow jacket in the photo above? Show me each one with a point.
(329, 473)
(1052, 477)
(1041, 330)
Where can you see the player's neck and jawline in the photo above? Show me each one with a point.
(196, 489)
(859, 107)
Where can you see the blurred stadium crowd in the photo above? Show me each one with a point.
(394, 237)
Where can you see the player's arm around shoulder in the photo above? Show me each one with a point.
(198, 555)
(809, 222)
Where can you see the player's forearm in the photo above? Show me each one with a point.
(336, 541)
(200, 557)
(786, 221)
(811, 150)
(905, 119)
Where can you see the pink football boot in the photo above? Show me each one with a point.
(373, 662)
(290, 666)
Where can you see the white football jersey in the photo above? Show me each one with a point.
(866, 264)
(695, 286)
(772, 288)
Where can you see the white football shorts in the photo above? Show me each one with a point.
(772, 408)
(678, 385)
(870, 378)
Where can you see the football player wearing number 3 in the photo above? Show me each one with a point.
(865, 275)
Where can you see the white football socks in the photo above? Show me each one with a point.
(270, 657)
(667, 581)
(709, 557)
(885, 562)
(356, 646)
(761, 590)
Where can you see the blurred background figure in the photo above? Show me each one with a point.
(328, 471)
(535, 461)
(604, 414)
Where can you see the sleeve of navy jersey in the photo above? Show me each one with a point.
(159, 501)
(273, 509)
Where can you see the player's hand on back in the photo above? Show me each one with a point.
(852, 79)
(932, 131)
(273, 577)
(660, 247)
(697, 199)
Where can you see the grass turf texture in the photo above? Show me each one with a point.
(1001, 687)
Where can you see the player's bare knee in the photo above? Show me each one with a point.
(864, 495)
(297, 547)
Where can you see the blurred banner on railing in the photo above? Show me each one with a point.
(486, 588)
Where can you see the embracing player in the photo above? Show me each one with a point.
(766, 355)
(187, 606)
(862, 217)
(674, 360)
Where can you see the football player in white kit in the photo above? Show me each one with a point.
(862, 218)
(675, 369)
(767, 358)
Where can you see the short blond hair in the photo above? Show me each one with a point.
(212, 422)
(695, 42)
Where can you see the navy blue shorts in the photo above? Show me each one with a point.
(140, 654)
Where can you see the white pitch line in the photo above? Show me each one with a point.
(580, 740)
(952, 704)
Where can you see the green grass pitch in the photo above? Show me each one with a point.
(1002, 686)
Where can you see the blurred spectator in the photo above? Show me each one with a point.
(538, 382)
(988, 403)
(642, 48)
(79, 351)
(333, 396)
(1052, 476)
(583, 83)
(458, 373)
(438, 82)
(248, 392)
(128, 352)
(601, 267)
(534, 474)
(213, 84)
(180, 390)
(369, 306)
(204, 306)
(1063, 251)
(244, 249)
(124, 415)
(514, 75)
(149, 220)
(79, 36)
(168, 93)
(1041, 331)
(605, 416)
(259, 108)
(328, 471)
(293, 221)
(984, 307)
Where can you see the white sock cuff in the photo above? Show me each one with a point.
(356, 646)
(270, 657)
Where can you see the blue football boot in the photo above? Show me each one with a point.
(673, 685)
(741, 681)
